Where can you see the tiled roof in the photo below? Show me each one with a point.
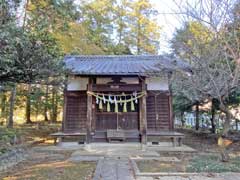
(123, 64)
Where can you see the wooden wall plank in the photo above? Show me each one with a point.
(75, 116)
(158, 111)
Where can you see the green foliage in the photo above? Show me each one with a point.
(7, 134)
(120, 27)
(212, 163)
(50, 15)
(144, 32)
(194, 37)
(26, 55)
(234, 98)
(97, 18)
(75, 41)
(181, 104)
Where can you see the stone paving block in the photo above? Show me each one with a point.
(163, 159)
(113, 169)
(145, 178)
(160, 148)
(84, 158)
(172, 178)
(204, 178)
(115, 152)
(229, 176)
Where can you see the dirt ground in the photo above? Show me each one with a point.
(205, 142)
(49, 165)
(43, 165)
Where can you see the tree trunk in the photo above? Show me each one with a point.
(138, 36)
(25, 14)
(11, 109)
(197, 116)
(224, 155)
(226, 124)
(213, 112)
(46, 104)
(182, 118)
(226, 127)
(28, 105)
(236, 124)
(54, 104)
(56, 109)
(37, 111)
(3, 108)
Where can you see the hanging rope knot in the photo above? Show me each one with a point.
(117, 99)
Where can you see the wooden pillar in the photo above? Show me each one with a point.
(64, 111)
(143, 113)
(170, 104)
(64, 118)
(170, 112)
(89, 111)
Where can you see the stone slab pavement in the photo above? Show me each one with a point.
(114, 151)
(114, 169)
(77, 159)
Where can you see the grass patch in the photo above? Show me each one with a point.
(26, 133)
(212, 163)
(41, 130)
(7, 134)
(56, 171)
(156, 166)
(7, 138)
(200, 163)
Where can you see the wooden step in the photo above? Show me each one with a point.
(131, 136)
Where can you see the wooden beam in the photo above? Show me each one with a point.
(143, 112)
(116, 87)
(89, 110)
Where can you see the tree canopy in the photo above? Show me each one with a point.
(211, 46)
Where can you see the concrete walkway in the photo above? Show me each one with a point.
(123, 148)
(114, 169)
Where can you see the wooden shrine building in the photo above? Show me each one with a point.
(125, 97)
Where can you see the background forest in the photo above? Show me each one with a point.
(36, 34)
